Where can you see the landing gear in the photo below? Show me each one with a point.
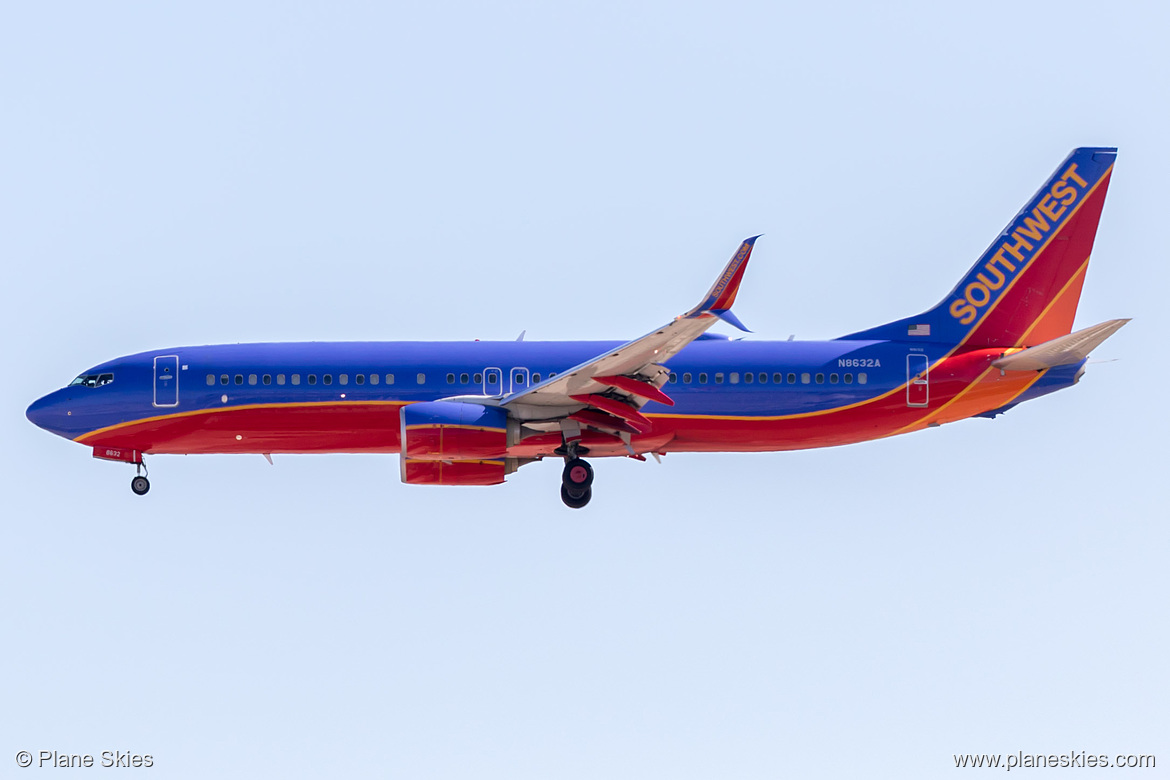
(578, 474)
(575, 482)
(140, 484)
(578, 501)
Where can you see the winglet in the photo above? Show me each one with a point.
(730, 319)
(721, 296)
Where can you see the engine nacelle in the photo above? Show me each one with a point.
(453, 431)
(456, 472)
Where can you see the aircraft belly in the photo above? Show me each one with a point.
(344, 427)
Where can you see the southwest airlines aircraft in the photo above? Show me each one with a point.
(472, 413)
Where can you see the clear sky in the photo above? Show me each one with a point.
(226, 172)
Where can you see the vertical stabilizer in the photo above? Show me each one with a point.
(1025, 288)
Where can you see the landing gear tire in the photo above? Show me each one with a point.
(140, 485)
(575, 498)
(577, 476)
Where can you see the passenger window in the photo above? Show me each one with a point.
(492, 378)
(211, 379)
(686, 379)
(312, 379)
(820, 379)
(673, 378)
(703, 378)
(749, 377)
(374, 379)
(360, 379)
(223, 379)
(280, 379)
(464, 379)
(478, 379)
(239, 379)
(450, 379)
(805, 378)
(536, 379)
(764, 377)
(389, 379)
(849, 379)
(518, 379)
(833, 379)
(718, 377)
(862, 379)
(252, 379)
(267, 379)
(327, 379)
(792, 379)
(296, 379)
(343, 379)
(551, 374)
(733, 377)
(422, 378)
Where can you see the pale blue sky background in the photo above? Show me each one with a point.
(286, 171)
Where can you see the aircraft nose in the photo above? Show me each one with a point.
(38, 412)
(46, 412)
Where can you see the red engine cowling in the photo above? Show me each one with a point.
(450, 443)
(455, 472)
(447, 430)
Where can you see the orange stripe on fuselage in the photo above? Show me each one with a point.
(991, 390)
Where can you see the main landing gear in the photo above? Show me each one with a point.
(140, 484)
(576, 481)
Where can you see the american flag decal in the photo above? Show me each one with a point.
(918, 330)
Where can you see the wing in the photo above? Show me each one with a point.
(607, 391)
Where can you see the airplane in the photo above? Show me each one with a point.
(472, 413)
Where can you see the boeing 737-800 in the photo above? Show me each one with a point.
(472, 413)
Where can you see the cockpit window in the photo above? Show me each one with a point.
(92, 380)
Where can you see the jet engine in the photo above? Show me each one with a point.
(453, 443)
(448, 430)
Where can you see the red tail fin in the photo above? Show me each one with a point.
(1025, 288)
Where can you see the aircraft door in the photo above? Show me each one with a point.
(519, 379)
(166, 380)
(493, 381)
(917, 379)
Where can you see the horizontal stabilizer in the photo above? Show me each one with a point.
(1061, 351)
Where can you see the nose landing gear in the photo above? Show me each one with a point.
(140, 484)
(576, 482)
